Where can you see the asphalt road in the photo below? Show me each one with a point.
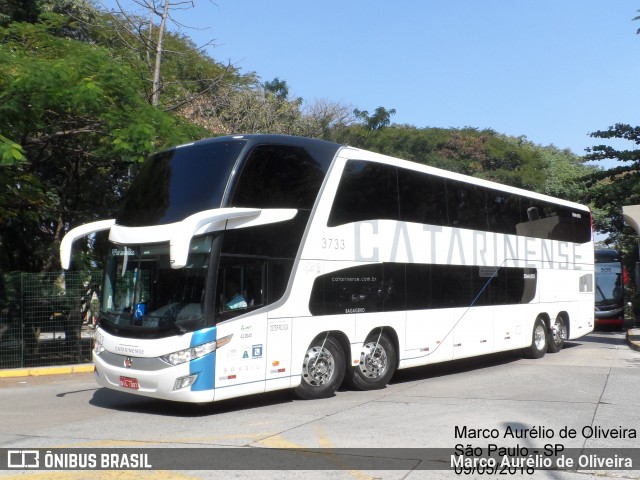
(590, 388)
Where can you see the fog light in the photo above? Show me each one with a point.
(184, 382)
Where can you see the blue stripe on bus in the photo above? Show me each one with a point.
(205, 367)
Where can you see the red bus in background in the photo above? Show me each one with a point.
(611, 277)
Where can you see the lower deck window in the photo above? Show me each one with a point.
(386, 287)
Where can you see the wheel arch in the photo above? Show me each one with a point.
(544, 316)
(567, 321)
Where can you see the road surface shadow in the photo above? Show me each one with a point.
(114, 400)
(111, 399)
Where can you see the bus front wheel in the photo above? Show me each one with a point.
(538, 346)
(322, 369)
(378, 362)
(557, 335)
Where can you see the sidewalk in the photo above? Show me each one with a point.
(38, 371)
(633, 338)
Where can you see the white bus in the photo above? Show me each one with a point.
(246, 264)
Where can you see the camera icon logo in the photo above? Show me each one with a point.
(23, 459)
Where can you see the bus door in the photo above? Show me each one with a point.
(241, 363)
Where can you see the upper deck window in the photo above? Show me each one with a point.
(375, 191)
(279, 176)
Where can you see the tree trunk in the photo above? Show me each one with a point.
(155, 96)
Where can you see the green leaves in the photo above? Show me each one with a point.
(10, 152)
(72, 120)
(617, 185)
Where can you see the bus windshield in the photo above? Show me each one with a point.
(143, 293)
(177, 183)
(609, 288)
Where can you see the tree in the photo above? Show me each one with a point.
(18, 11)
(480, 153)
(381, 118)
(612, 188)
(167, 56)
(277, 88)
(79, 121)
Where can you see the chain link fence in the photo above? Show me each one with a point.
(47, 318)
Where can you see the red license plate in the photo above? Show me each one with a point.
(128, 382)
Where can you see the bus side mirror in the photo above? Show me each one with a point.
(219, 219)
(66, 245)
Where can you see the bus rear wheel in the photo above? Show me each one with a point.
(378, 362)
(538, 346)
(557, 335)
(322, 369)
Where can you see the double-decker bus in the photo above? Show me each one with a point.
(611, 277)
(246, 264)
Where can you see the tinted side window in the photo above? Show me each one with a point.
(553, 222)
(399, 286)
(423, 198)
(468, 206)
(505, 286)
(275, 240)
(259, 270)
(504, 212)
(278, 176)
(367, 191)
(352, 290)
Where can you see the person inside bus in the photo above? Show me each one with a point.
(236, 299)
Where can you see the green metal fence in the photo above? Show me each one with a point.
(47, 318)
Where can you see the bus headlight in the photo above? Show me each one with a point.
(193, 353)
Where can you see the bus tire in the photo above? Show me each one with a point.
(538, 346)
(322, 369)
(378, 362)
(557, 335)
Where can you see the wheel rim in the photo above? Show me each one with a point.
(373, 360)
(558, 332)
(539, 337)
(318, 366)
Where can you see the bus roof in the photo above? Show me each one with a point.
(348, 152)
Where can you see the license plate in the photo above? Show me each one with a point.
(128, 382)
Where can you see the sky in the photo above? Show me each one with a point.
(550, 70)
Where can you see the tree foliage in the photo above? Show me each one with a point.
(480, 153)
(379, 119)
(76, 118)
(73, 120)
(611, 189)
(614, 187)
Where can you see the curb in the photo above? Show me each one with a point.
(39, 371)
(633, 338)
